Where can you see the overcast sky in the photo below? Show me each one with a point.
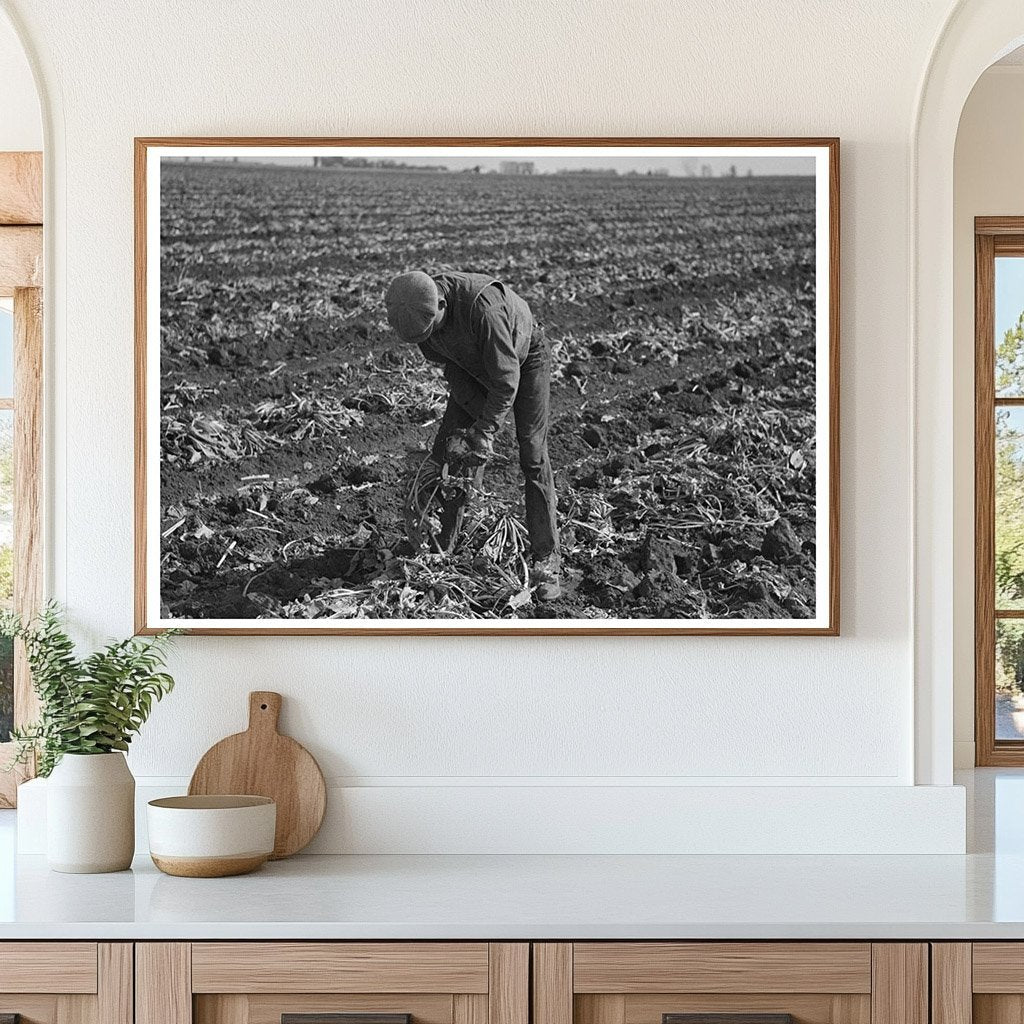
(758, 165)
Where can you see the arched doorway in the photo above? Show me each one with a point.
(976, 34)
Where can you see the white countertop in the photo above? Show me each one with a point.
(977, 896)
(496, 897)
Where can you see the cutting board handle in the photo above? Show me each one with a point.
(264, 710)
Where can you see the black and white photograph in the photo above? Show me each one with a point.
(401, 386)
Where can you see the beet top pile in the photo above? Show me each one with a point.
(681, 316)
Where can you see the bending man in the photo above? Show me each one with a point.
(481, 332)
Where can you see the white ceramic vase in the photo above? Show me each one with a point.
(90, 814)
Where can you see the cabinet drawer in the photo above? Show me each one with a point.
(730, 983)
(634, 967)
(998, 967)
(332, 983)
(340, 967)
(65, 967)
(66, 982)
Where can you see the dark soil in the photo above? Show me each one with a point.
(681, 317)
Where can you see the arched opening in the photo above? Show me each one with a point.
(974, 38)
(986, 418)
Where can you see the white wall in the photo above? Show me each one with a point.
(455, 712)
(21, 126)
(987, 181)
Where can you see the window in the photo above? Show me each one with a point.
(999, 490)
(6, 510)
(21, 366)
(20, 502)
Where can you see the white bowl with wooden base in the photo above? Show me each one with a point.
(211, 836)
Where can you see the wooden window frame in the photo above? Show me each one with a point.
(21, 278)
(993, 236)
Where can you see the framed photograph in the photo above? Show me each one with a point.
(515, 386)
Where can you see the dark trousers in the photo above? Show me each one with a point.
(531, 411)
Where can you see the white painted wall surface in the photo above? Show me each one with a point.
(442, 714)
(21, 126)
(987, 181)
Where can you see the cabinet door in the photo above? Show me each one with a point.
(980, 982)
(65, 983)
(730, 983)
(332, 983)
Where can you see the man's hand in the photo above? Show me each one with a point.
(480, 448)
(466, 451)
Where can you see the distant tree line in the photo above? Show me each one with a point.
(367, 162)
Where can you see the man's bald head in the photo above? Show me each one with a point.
(414, 305)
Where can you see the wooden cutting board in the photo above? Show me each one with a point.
(262, 762)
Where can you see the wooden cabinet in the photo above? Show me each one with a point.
(978, 983)
(309, 982)
(752, 982)
(494, 983)
(66, 982)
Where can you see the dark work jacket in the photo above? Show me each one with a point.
(486, 333)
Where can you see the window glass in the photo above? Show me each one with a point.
(6, 568)
(1009, 496)
(1009, 512)
(1009, 325)
(1009, 679)
(6, 353)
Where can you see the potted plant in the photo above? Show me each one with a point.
(90, 708)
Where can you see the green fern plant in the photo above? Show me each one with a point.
(90, 705)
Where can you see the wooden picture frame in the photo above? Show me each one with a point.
(823, 619)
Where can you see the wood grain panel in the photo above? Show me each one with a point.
(21, 259)
(32, 1009)
(339, 967)
(115, 983)
(1010, 245)
(984, 502)
(998, 967)
(259, 761)
(267, 1009)
(998, 225)
(228, 1009)
(552, 983)
(76, 1009)
(508, 992)
(28, 483)
(21, 188)
(604, 1009)
(834, 486)
(65, 967)
(951, 983)
(163, 983)
(805, 1008)
(899, 990)
(469, 1009)
(998, 1009)
(851, 1009)
(633, 967)
(141, 356)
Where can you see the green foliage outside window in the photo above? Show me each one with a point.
(1009, 510)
